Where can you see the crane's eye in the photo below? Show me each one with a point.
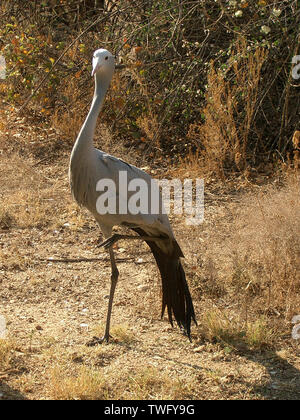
(106, 58)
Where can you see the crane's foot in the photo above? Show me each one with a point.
(187, 335)
(95, 341)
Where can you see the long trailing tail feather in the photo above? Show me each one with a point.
(176, 296)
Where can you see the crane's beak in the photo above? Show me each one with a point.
(96, 68)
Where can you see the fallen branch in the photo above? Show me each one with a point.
(78, 260)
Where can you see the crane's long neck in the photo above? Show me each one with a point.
(84, 141)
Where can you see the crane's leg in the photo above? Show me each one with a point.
(113, 284)
(108, 243)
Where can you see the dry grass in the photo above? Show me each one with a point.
(153, 383)
(219, 326)
(33, 198)
(260, 335)
(251, 253)
(6, 352)
(87, 384)
(265, 249)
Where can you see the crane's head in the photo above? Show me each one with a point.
(103, 62)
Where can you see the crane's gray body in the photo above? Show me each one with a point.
(100, 165)
(88, 166)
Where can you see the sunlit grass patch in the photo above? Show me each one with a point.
(216, 326)
(219, 327)
(84, 384)
(6, 353)
(259, 334)
(153, 383)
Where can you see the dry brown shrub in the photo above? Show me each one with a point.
(148, 122)
(68, 118)
(231, 101)
(268, 236)
(255, 249)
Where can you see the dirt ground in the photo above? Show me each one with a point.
(53, 308)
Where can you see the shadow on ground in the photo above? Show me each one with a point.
(8, 393)
(284, 382)
(280, 382)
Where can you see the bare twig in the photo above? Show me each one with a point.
(78, 260)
